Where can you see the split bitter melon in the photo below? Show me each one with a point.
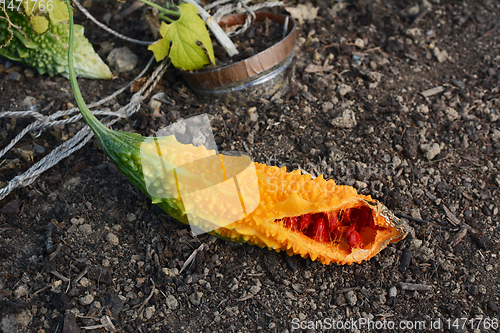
(284, 211)
(48, 52)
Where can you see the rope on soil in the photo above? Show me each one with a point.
(83, 136)
(242, 7)
(105, 27)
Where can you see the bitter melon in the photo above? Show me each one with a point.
(48, 52)
(314, 218)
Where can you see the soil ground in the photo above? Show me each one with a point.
(354, 112)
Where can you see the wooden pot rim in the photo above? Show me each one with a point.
(258, 63)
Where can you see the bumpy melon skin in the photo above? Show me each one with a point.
(281, 194)
(48, 53)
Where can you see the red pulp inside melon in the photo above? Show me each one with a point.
(346, 226)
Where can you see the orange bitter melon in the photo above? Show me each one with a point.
(311, 217)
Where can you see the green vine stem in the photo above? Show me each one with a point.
(163, 11)
(86, 114)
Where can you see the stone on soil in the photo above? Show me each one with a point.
(495, 135)
(85, 229)
(351, 298)
(112, 239)
(149, 312)
(422, 108)
(15, 323)
(451, 114)
(122, 59)
(346, 120)
(172, 302)
(430, 150)
(393, 291)
(195, 298)
(86, 300)
(344, 89)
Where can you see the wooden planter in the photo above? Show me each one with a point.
(259, 76)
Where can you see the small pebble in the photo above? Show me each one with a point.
(327, 106)
(422, 108)
(374, 76)
(252, 112)
(442, 56)
(351, 298)
(359, 43)
(195, 298)
(122, 59)
(149, 312)
(172, 302)
(254, 289)
(495, 135)
(85, 229)
(393, 291)
(360, 185)
(157, 100)
(112, 239)
(29, 103)
(346, 120)
(451, 114)
(86, 300)
(15, 76)
(430, 150)
(482, 289)
(170, 272)
(344, 89)
(21, 291)
(84, 282)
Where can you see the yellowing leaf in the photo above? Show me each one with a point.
(59, 12)
(40, 23)
(180, 38)
(39, 12)
(160, 48)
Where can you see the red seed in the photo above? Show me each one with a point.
(360, 216)
(372, 224)
(304, 221)
(349, 229)
(355, 239)
(333, 222)
(319, 232)
(345, 216)
(292, 223)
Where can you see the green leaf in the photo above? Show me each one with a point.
(180, 38)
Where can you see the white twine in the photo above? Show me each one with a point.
(83, 136)
(105, 27)
(241, 7)
(215, 4)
